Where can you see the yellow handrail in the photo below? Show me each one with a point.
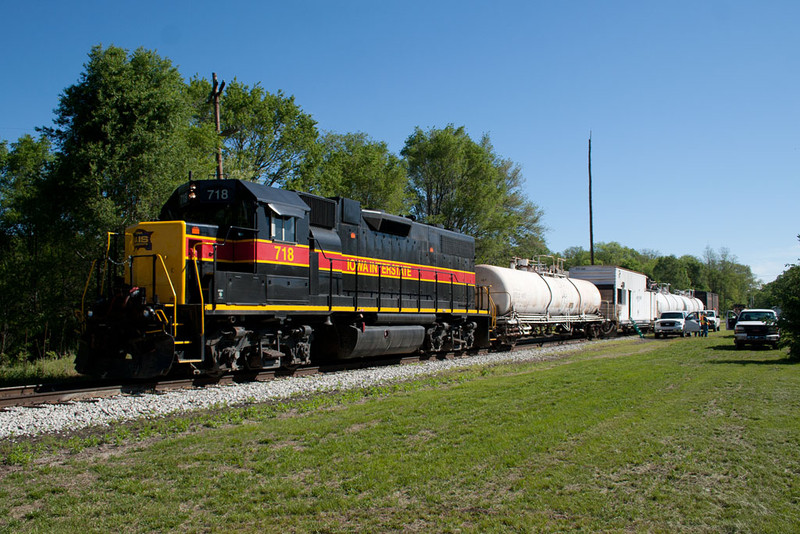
(200, 290)
(85, 290)
(174, 296)
(105, 263)
(492, 309)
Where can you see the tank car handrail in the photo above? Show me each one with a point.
(492, 308)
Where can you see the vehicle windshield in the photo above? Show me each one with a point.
(672, 315)
(756, 316)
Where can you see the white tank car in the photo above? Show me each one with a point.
(670, 302)
(530, 293)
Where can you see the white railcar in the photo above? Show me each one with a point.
(683, 301)
(628, 300)
(535, 300)
(633, 301)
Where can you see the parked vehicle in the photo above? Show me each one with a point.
(714, 320)
(757, 327)
(710, 300)
(730, 319)
(693, 321)
(671, 323)
(731, 316)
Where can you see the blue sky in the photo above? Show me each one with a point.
(694, 107)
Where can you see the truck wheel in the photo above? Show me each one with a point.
(739, 346)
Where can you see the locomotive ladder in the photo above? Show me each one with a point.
(198, 358)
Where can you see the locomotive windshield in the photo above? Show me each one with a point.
(240, 214)
(212, 203)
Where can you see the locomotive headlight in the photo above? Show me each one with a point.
(192, 191)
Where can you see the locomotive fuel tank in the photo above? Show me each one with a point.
(531, 293)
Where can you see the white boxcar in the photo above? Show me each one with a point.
(627, 299)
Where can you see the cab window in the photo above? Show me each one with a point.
(283, 228)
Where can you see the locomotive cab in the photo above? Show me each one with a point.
(222, 250)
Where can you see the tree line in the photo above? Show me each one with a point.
(131, 129)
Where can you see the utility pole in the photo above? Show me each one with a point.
(216, 91)
(591, 224)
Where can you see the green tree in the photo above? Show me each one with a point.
(123, 139)
(574, 256)
(670, 270)
(526, 240)
(265, 137)
(31, 297)
(733, 282)
(782, 292)
(696, 271)
(465, 186)
(612, 253)
(353, 165)
(122, 136)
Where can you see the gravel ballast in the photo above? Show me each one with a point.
(60, 418)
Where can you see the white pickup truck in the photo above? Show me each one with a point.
(670, 323)
(713, 320)
(757, 327)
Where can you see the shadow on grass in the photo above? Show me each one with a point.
(759, 357)
(779, 361)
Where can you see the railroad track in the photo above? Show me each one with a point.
(39, 394)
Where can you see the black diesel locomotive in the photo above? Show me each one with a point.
(240, 276)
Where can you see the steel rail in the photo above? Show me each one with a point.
(38, 394)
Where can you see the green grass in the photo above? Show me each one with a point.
(41, 371)
(630, 435)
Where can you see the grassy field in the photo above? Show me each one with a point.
(631, 435)
(45, 370)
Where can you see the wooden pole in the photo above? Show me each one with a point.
(216, 91)
(591, 224)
